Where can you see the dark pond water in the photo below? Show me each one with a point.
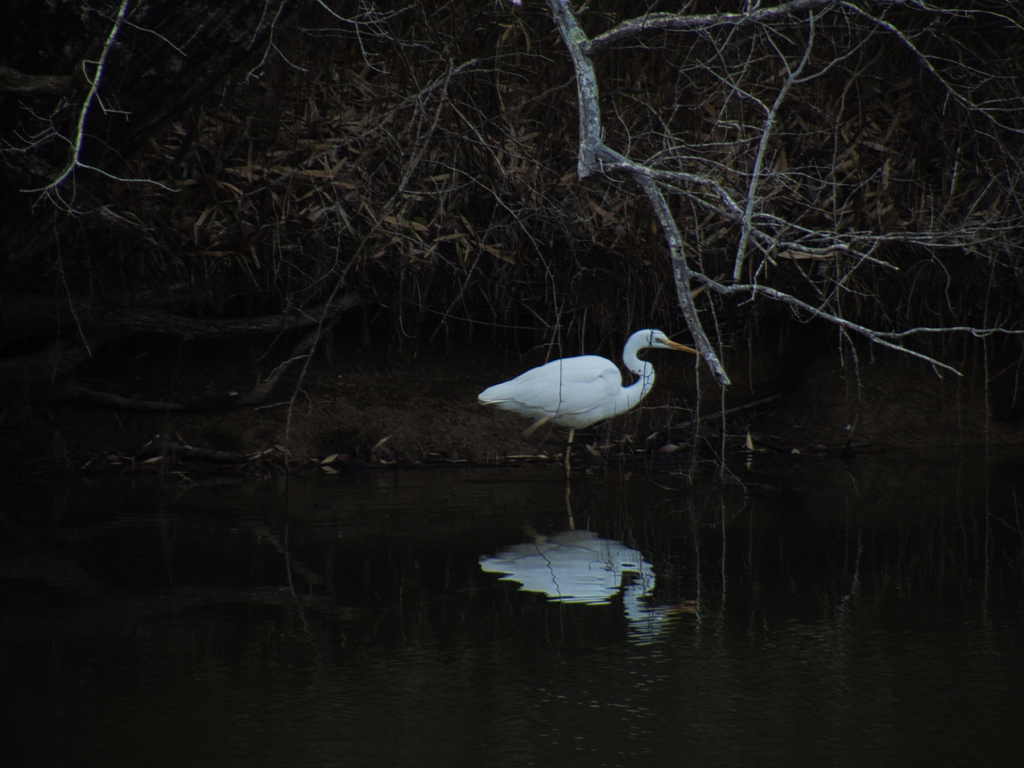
(813, 615)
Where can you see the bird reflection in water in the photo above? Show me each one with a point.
(580, 567)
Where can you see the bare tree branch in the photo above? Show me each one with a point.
(851, 208)
(592, 151)
(679, 22)
(93, 94)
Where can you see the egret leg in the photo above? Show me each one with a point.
(568, 451)
(568, 506)
(535, 426)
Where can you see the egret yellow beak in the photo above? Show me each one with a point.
(679, 347)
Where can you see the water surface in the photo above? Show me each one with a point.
(813, 616)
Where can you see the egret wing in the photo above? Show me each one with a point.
(573, 392)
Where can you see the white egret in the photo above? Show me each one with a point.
(576, 392)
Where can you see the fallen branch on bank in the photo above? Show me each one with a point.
(47, 375)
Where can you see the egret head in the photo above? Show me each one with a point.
(658, 340)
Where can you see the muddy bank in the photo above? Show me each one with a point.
(370, 406)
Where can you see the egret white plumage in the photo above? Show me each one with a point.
(576, 392)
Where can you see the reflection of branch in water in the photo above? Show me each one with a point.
(293, 565)
(855, 582)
